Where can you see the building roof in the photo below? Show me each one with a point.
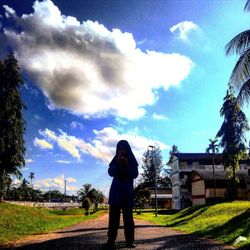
(197, 156)
(203, 156)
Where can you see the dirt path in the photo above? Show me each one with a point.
(93, 234)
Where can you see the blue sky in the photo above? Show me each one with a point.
(152, 72)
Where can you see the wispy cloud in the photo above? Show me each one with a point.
(102, 146)
(159, 117)
(41, 143)
(183, 29)
(101, 69)
(28, 161)
(9, 12)
(76, 125)
(142, 41)
(70, 144)
(63, 161)
(38, 118)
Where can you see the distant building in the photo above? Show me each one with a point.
(164, 197)
(183, 165)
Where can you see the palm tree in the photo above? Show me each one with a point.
(84, 191)
(213, 148)
(233, 141)
(240, 77)
(31, 176)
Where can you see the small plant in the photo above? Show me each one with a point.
(86, 205)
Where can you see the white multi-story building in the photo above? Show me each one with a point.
(182, 167)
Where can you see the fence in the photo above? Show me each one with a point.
(47, 204)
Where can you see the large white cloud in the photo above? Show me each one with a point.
(102, 146)
(88, 69)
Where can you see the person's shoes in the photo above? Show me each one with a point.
(108, 246)
(130, 245)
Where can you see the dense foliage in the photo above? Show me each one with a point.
(12, 125)
(232, 134)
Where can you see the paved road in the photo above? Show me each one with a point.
(93, 234)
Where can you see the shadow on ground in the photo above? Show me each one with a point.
(92, 238)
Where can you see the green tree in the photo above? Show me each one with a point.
(240, 77)
(152, 166)
(31, 176)
(165, 181)
(213, 148)
(12, 126)
(84, 191)
(86, 203)
(95, 196)
(142, 195)
(173, 151)
(53, 195)
(25, 190)
(233, 141)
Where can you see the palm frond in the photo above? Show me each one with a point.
(240, 73)
(244, 94)
(239, 43)
(247, 6)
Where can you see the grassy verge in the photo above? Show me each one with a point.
(18, 221)
(224, 222)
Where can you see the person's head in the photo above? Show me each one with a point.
(123, 148)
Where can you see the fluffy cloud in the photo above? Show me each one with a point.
(159, 117)
(41, 143)
(183, 29)
(56, 183)
(88, 69)
(102, 146)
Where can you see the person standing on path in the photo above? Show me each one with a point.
(124, 169)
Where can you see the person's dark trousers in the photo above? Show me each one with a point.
(114, 222)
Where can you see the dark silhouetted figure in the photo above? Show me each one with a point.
(124, 168)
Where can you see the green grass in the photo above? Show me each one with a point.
(223, 222)
(18, 221)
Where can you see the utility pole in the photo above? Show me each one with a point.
(65, 190)
(154, 167)
(49, 195)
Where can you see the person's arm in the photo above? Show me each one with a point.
(133, 172)
(113, 170)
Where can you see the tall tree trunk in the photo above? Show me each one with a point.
(214, 178)
(2, 176)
